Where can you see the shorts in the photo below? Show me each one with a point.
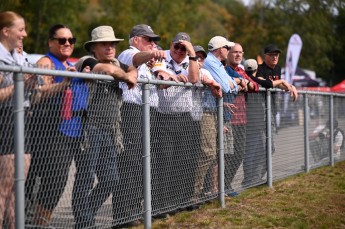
(7, 130)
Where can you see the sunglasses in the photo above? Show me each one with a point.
(149, 39)
(181, 47)
(226, 47)
(62, 41)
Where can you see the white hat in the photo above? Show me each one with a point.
(101, 34)
(218, 42)
(250, 65)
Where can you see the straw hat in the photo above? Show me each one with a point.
(101, 34)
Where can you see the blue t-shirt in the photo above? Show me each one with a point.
(72, 127)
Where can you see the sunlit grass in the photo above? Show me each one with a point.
(310, 200)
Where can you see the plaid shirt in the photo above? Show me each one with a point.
(240, 117)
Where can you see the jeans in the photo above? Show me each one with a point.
(100, 159)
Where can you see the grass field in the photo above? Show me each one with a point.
(309, 200)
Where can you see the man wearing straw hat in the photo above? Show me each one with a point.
(102, 128)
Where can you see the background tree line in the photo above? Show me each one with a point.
(321, 25)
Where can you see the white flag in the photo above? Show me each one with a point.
(292, 56)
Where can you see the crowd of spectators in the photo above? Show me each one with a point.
(98, 124)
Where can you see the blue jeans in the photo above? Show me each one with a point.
(100, 159)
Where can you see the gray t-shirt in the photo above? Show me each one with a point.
(6, 78)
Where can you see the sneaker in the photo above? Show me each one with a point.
(231, 194)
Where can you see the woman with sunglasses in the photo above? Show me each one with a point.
(12, 33)
(60, 110)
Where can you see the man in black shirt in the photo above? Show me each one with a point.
(270, 69)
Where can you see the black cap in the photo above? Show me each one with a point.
(198, 48)
(144, 30)
(181, 36)
(272, 48)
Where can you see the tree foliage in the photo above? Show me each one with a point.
(320, 23)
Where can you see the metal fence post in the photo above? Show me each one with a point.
(146, 155)
(331, 130)
(19, 149)
(306, 133)
(221, 152)
(269, 138)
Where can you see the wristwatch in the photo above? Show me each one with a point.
(194, 58)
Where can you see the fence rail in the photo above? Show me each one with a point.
(113, 158)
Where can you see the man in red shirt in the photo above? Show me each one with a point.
(239, 117)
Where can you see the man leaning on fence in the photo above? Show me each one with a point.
(177, 145)
(142, 53)
(219, 48)
(239, 118)
(103, 138)
(206, 160)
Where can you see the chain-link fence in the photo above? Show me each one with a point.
(98, 154)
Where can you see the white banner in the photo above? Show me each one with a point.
(292, 56)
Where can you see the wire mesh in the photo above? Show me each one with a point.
(86, 150)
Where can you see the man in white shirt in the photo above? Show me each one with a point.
(178, 132)
(142, 52)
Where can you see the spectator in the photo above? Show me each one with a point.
(12, 33)
(208, 155)
(141, 53)
(270, 69)
(142, 46)
(239, 118)
(177, 150)
(103, 126)
(254, 163)
(60, 127)
(219, 48)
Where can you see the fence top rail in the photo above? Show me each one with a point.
(40, 71)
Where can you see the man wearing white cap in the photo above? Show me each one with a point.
(219, 48)
(102, 125)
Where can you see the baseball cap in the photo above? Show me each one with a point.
(272, 48)
(144, 30)
(198, 48)
(181, 36)
(218, 42)
(250, 65)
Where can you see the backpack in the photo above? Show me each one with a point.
(336, 130)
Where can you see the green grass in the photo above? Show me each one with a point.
(310, 200)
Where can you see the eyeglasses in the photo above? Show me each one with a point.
(200, 57)
(177, 47)
(226, 47)
(237, 52)
(62, 41)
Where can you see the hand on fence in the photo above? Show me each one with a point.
(216, 89)
(182, 78)
(293, 92)
(230, 107)
(132, 77)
